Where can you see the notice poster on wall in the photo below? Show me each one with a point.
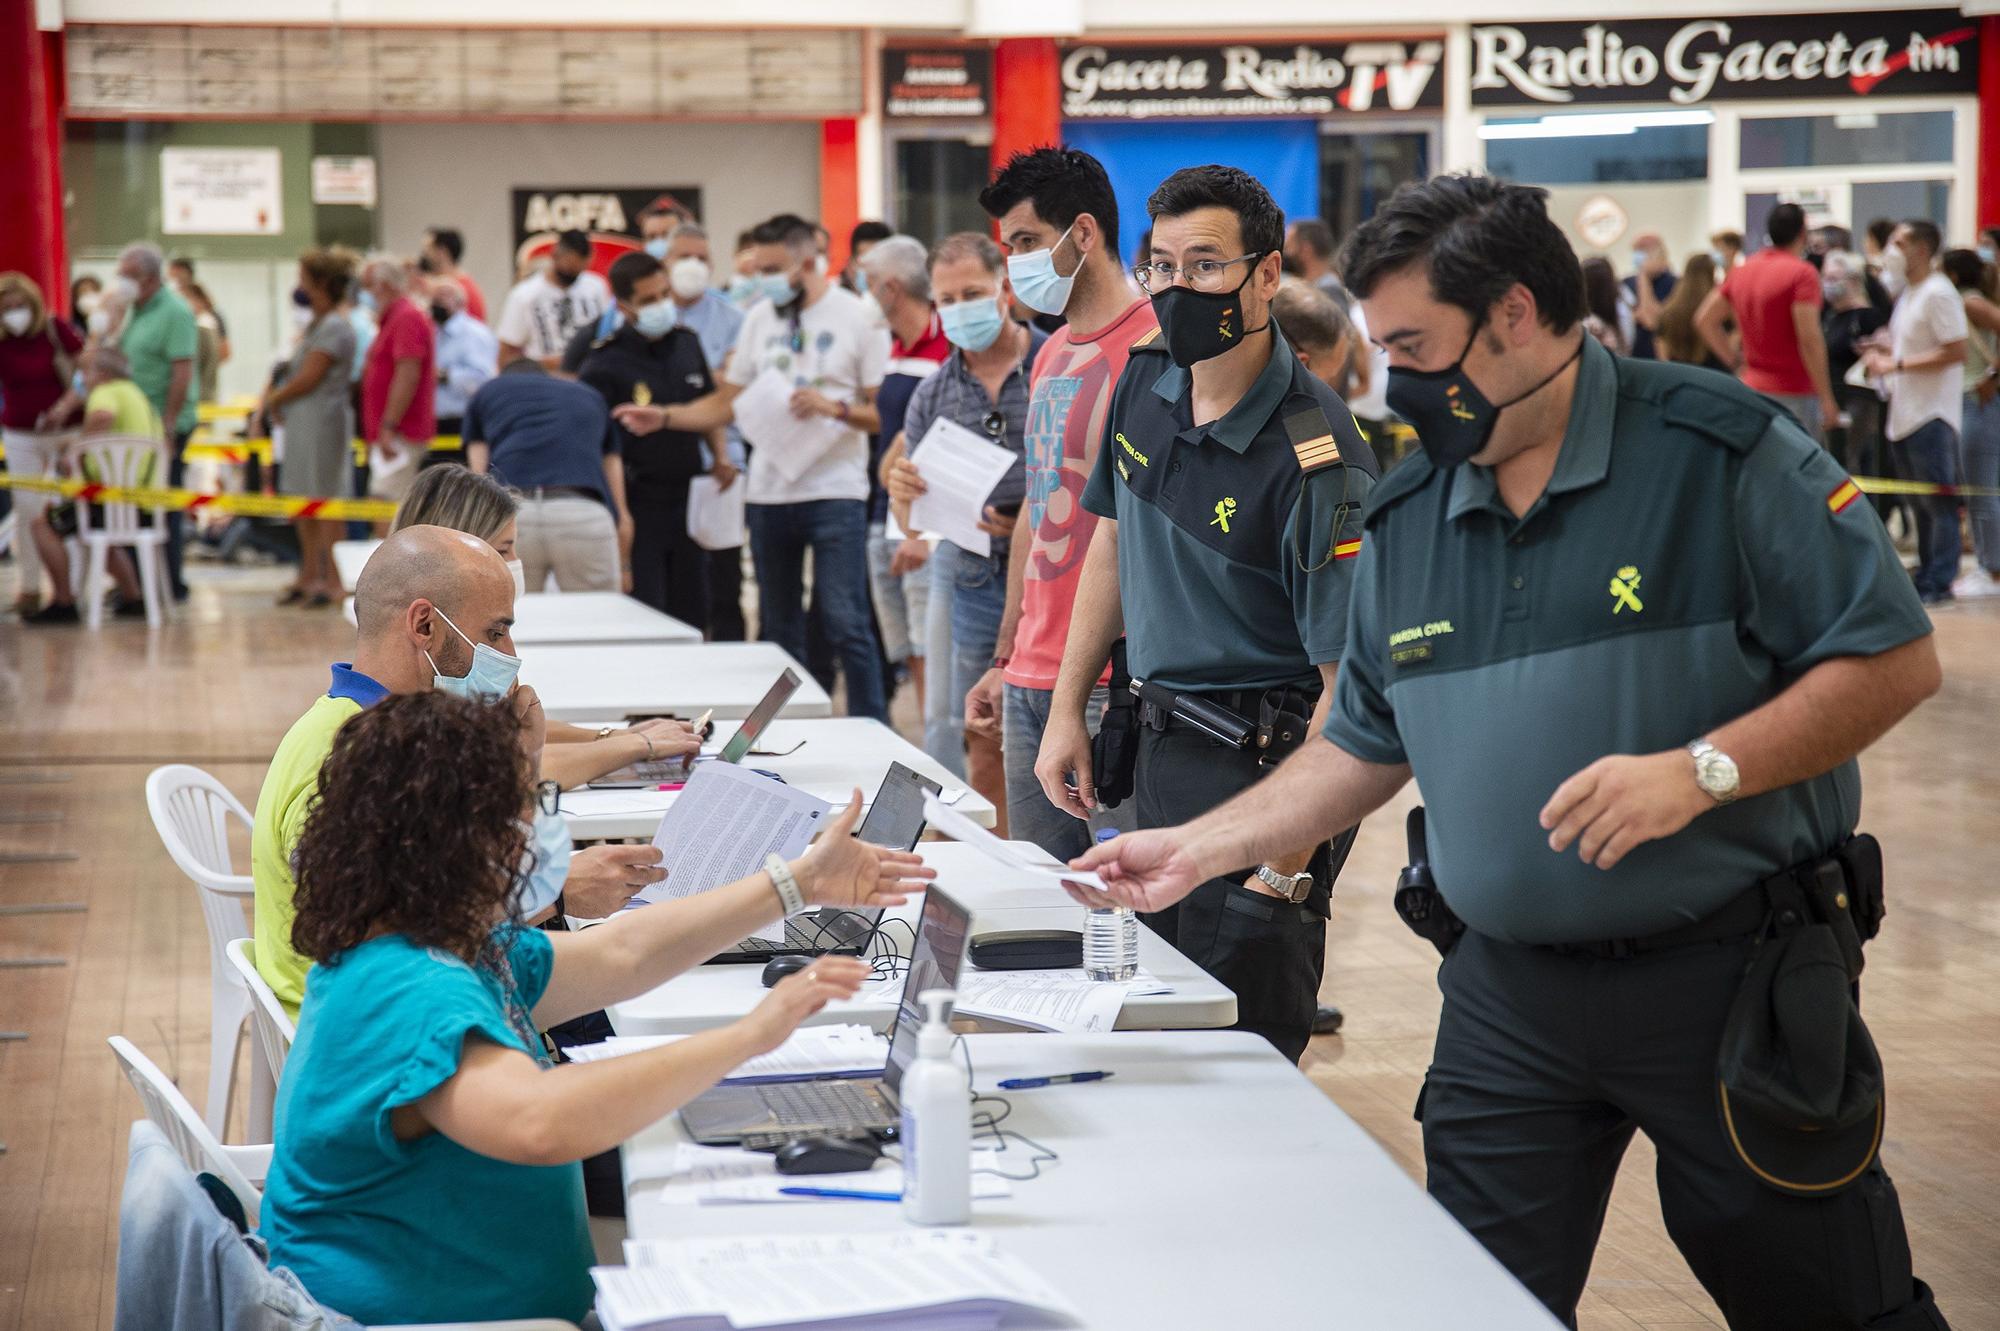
(222, 192)
(344, 180)
(608, 214)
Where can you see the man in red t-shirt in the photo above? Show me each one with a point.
(1059, 222)
(1776, 298)
(398, 383)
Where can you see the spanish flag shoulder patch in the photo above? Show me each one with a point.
(1843, 495)
(1347, 549)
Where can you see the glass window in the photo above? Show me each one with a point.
(1647, 153)
(1359, 171)
(937, 187)
(1899, 200)
(1852, 138)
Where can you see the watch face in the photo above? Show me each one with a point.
(1717, 773)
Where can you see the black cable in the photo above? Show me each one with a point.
(990, 1122)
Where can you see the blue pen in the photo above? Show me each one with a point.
(1032, 1083)
(845, 1194)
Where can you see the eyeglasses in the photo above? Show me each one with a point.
(1202, 274)
(995, 425)
(548, 797)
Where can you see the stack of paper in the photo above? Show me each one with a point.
(1066, 1000)
(918, 1278)
(811, 1052)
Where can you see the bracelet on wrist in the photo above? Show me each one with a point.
(647, 740)
(790, 898)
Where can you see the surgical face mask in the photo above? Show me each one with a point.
(544, 865)
(777, 288)
(1895, 271)
(100, 323)
(860, 275)
(365, 299)
(973, 325)
(1036, 283)
(655, 320)
(18, 319)
(1452, 418)
(491, 676)
(1201, 325)
(1720, 260)
(1833, 289)
(126, 288)
(743, 290)
(1986, 253)
(520, 576)
(657, 247)
(819, 264)
(86, 304)
(688, 278)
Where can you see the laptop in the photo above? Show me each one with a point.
(896, 821)
(728, 1115)
(746, 737)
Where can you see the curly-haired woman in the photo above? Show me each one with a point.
(427, 1158)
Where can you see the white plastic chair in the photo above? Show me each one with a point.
(242, 1168)
(118, 460)
(191, 811)
(274, 1027)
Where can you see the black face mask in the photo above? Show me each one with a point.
(563, 279)
(301, 299)
(440, 315)
(1201, 325)
(1452, 418)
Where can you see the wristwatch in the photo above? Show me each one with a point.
(1714, 771)
(1294, 888)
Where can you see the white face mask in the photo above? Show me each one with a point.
(126, 287)
(100, 322)
(520, 578)
(18, 319)
(688, 278)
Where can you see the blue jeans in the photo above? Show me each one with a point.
(835, 531)
(944, 715)
(1930, 453)
(1980, 449)
(1030, 816)
(978, 599)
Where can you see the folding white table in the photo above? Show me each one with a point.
(1206, 1184)
(709, 996)
(837, 754)
(607, 683)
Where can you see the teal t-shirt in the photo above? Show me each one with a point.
(424, 1230)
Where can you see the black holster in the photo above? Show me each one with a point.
(1418, 900)
(1842, 891)
(1114, 750)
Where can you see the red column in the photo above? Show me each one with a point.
(839, 186)
(1027, 96)
(1988, 195)
(30, 219)
(55, 84)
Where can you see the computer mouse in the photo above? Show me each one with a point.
(828, 1155)
(777, 968)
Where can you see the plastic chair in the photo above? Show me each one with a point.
(241, 1168)
(117, 460)
(275, 1029)
(191, 812)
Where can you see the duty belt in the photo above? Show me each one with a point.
(1741, 916)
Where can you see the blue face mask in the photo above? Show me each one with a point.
(1987, 253)
(776, 288)
(491, 676)
(743, 290)
(657, 247)
(365, 299)
(973, 325)
(860, 280)
(544, 866)
(1035, 281)
(655, 320)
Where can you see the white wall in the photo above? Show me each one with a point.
(1678, 213)
(465, 175)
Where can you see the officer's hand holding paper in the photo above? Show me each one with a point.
(959, 469)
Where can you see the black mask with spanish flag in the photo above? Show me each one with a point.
(1452, 418)
(1201, 325)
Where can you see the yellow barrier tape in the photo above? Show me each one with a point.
(204, 446)
(240, 505)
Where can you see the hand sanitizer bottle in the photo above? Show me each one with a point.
(936, 1133)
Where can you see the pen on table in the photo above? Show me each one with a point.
(1031, 1083)
(675, 785)
(845, 1194)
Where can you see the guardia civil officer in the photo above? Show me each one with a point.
(1230, 482)
(1628, 625)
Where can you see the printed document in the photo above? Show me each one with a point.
(950, 822)
(960, 470)
(727, 819)
(764, 415)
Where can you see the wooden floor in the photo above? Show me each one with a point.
(84, 717)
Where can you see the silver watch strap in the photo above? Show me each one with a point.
(789, 896)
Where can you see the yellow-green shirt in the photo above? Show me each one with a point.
(289, 788)
(131, 414)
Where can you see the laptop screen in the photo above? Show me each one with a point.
(943, 933)
(760, 717)
(896, 819)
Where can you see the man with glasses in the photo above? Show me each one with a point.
(983, 387)
(1230, 488)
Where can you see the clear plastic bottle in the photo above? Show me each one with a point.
(1110, 937)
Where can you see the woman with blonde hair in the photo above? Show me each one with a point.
(38, 408)
(1676, 338)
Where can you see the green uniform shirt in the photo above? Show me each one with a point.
(157, 334)
(1695, 552)
(1237, 540)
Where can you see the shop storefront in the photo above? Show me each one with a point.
(1686, 127)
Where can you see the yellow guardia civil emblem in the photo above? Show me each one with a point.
(642, 396)
(1225, 509)
(1625, 591)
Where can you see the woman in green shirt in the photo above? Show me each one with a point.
(427, 1165)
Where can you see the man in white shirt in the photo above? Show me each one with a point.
(809, 489)
(1925, 369)
(542, 312)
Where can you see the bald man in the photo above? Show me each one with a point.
(425, 600)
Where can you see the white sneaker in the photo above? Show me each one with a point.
(1976, 584)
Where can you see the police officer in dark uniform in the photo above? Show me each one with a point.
(1231, 483)
(1628, 625)
(650, 359)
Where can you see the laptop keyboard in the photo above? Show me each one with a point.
(827, 1104)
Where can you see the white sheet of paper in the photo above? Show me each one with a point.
(764, 415)
(823, 1050)
(960, 470)
(715, 515)
(1065, 1001)
(950, 822)
(381, 467)
(727, 819)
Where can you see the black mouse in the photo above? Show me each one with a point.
(828, 1155)
(777, 968)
